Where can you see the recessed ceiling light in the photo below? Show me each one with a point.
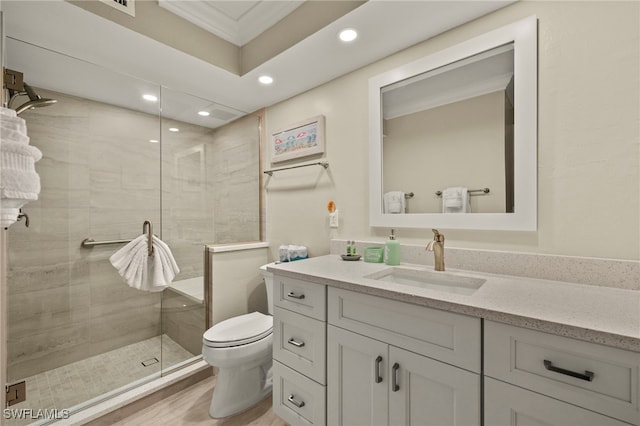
(150, 98)
(204, 113)
(174, 129)
(153, 140)
(348, 35)
(265, 79)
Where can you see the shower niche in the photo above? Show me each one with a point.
(112, 159)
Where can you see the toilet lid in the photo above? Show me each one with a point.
(239, 330)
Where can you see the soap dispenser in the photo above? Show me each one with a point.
(392, 250)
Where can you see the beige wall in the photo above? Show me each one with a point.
(459, 144)
(588, 151)
(236, 283)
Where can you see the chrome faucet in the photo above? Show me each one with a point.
(437, 247)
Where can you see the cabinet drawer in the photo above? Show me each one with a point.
(304, 297)
(600, 378)
(445, 336)
(508, 405)
(299, 342)
(297, 399)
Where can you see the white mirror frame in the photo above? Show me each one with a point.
(523, 34)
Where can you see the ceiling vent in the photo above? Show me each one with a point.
(126, 6)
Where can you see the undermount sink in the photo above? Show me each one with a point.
(423, 278)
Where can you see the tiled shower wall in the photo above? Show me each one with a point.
(101, 178)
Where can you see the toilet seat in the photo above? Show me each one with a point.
(240, 330)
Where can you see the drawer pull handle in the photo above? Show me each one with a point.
(295, 343)
(394, 377)
(588, 375)
(295, 296)
(378, 377)
(298, 404)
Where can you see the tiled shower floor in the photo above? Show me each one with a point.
(75, 383)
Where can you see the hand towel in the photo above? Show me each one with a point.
(19, 181)
(394, 202)
(141, 271)
(456, 200)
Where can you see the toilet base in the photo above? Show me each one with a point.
(238, 389)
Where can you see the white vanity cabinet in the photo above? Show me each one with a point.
(381, 367)
(539, 378)
(299, 351)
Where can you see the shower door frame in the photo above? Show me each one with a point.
(3, 257)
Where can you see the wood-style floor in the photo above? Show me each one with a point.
(191, 407)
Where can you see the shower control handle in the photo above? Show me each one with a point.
(295, 296)
(295, 343)
(292, 400)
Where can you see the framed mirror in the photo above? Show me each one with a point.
(453, 136)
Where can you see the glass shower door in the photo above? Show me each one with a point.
(76, 332)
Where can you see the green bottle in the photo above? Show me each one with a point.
(392, 250)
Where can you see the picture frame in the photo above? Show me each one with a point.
(298, 140)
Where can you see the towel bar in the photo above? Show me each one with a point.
(324, 164)
(483, 191)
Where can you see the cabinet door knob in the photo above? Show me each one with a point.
(377, 377)
(588, 375)
(295, 343)
(292, 400)
(295, 296)
(395, 387)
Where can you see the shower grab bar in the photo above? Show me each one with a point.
(90, 242)
(324, 164)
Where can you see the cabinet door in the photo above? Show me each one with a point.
(357, 380)
(507, 405)
(428, 392)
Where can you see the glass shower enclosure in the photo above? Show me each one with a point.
(117, 151)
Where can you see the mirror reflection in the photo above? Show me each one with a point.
(448, 138)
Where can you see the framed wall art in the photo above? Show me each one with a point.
(298, 140)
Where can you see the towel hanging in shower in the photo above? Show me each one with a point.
(144, 271)
(19, 181)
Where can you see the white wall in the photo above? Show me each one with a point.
(588, 143)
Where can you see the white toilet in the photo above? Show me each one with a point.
(241, 348)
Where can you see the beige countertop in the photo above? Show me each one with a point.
(604, 315)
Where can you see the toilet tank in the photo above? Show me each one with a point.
(268, 282)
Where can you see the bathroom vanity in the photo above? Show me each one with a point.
(362, 343)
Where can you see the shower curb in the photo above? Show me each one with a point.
(120, 406)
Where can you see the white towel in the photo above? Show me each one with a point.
(394, 202)
(141, 271)
(19, 181)
(456, 200)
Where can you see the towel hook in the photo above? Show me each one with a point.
(150, 234)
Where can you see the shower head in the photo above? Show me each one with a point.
(42, 102)
(35, 100)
